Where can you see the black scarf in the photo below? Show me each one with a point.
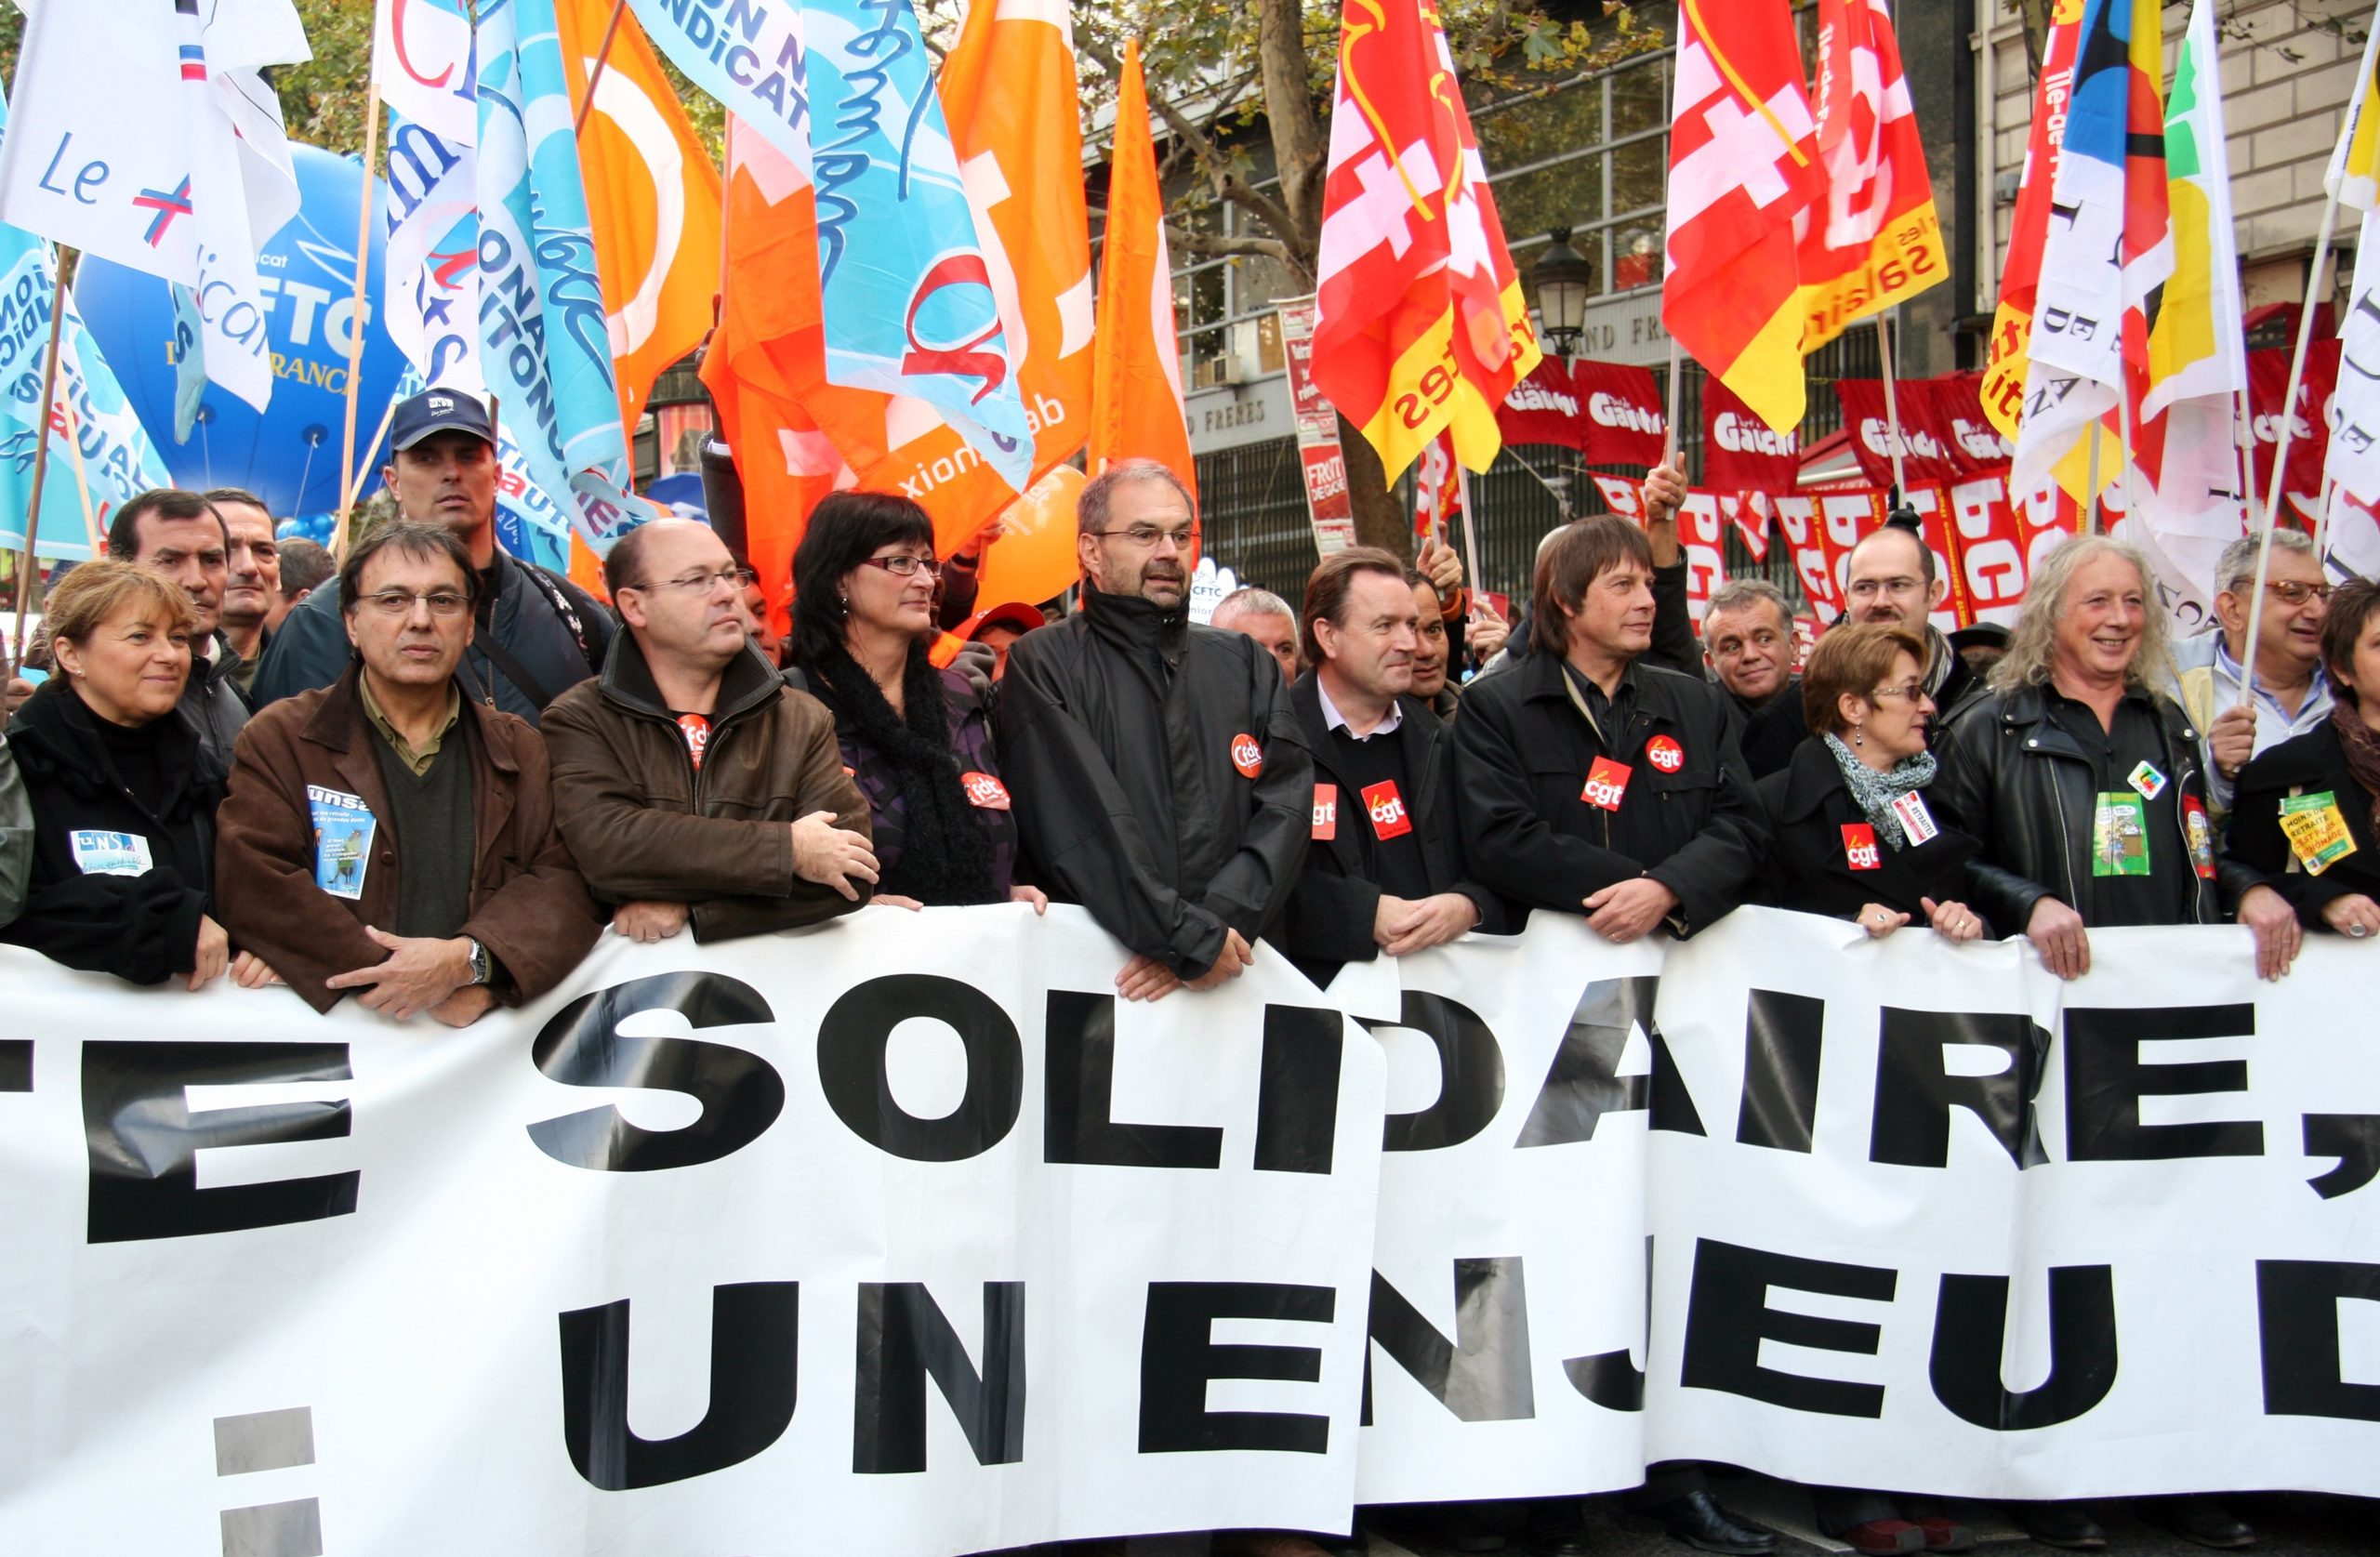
(945, 860)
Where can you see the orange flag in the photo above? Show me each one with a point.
(1873, 237)
(652, 200)
(1136, 376)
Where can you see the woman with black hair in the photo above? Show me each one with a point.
(918, 740)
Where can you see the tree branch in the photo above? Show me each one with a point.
(1215, 245)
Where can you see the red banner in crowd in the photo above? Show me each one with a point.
(1543, 408)
(1626, 422)
(1975, 443)
(1740, 452)
(1703, 522)
(1819, 529)
(2309, 442)
(1620, 495)
(1925, 456)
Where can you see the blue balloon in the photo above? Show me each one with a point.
(288, 453)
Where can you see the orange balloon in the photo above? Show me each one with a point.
(1036, 558)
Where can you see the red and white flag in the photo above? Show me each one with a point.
(1874, 238)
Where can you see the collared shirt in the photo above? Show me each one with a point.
(416, 760)
(2208, 683)
(1606, 715)
(1332, 719)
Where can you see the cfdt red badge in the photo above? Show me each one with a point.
(984, 791)
(1247, 756)
(697, 730)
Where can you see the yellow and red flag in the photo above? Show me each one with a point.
(1872, 238)
(1419, 324)
(1136, 374)
(652, 200)
(1743, 163)
(2020, 269)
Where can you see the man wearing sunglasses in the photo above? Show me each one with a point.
(537, 633)
(2293, 694)
(1159, 775)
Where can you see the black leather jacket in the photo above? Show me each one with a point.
(2017, 782)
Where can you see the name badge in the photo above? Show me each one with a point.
(1859, 849)
(1386, 808)
(1606, 783)
(343, 830)
(104, 853)
(1326, 812)
(984, 791)
(2315, 830)
(2148, 781)
(1915, 820)
(2119, 834)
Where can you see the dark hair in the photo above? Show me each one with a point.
(1915, 532)
(1327, 588)
(1853, 660)
(166, 502)
(844, 531)
(621, 564)
(304, 565)
(413, 539)
(2352, 606)
(237, 495)
(1569, 563)
(1098, 493)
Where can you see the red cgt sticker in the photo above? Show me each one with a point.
(1859, 847)
(1606, 783)
(1326, 812)
(1386, 808)
(1665, 754)
(1247, 756)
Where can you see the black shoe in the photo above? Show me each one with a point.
(2199, 1519)
(1699, 1520)
(2061, 1524)
(1343, 1545)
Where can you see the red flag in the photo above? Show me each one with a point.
(2311, 440)
(1626, 422)
(1872, 238)
(1702, 535)
(1543, 408)
(1975, 444)
(1741, 452)
(1438, 490)
(1924, 460)
(1819, 529)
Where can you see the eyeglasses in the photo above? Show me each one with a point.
(2294, 593)
(901, 567)
(704, 583)
(1908, 692)
(1869, 589)
(400, 602)
(1183, 539)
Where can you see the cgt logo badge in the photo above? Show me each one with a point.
(1247, 756)
(1665, 754)
(1607, 785)
(1859, 847)
(1326, 812)
(1386, 808)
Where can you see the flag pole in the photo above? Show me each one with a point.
(27, 578)
(2281, 440)
(1470, 538)
(2323, 519)
(602, 58)
(83, 485)
(1892, 408)
(1677, 392)
(2123, 450)
(2091, 517)
(355, 331)
(364, 468)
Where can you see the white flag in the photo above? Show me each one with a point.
(423, 59)
(2354, 458)
(432, 259)
(160, 147)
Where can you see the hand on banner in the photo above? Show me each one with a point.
(1442, 567)
(894, 900)
(1034, 895)
(248, 970)
(421, 971)
(1952, 921)
(1237, 954)
(1402, 926)
(1145, 978)
(1880, 921)
(831, 856)
(2278, 935)
(2056, 933)
(648, 922)
(2232, 738)
(464, 1006)
(1664, 493)
(213, 953)
(1622, 912)
(2354, 915)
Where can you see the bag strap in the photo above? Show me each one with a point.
(514, 671)
(559, 599)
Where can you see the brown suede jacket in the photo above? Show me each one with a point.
(528, 906)
(648, 826)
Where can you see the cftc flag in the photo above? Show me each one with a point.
(1420, 325)
(1743, 163)
(1136, 374)
(1872, 238)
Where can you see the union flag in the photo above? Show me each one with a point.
(2020, 271)
(1872, 237)
(1420, 325)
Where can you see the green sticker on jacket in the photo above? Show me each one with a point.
(2119, 834)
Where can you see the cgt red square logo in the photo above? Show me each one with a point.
(1386, 808)
(1326, 812)
(1607, 785)
(1859, 847)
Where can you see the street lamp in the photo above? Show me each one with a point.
(1564, 279)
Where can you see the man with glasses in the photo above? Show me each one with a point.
(2293, 694)
(389, 837)
(538, 634)
(696, 786)
(1158, 773)
(1891, 578)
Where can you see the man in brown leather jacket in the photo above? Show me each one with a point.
(692, 783)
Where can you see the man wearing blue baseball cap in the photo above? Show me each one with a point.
(537, 633)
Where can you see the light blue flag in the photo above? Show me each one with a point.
(545, 345)
(749, 55)
(907, 296)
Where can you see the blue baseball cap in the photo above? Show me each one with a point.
(438, 411)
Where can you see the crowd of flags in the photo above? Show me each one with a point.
(894, 271)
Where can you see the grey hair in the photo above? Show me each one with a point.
(1740, 594)
(2031, 641)
(1250, 601)
(1098, 493)
(2238, 567)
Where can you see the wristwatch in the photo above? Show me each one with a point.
(483, 971)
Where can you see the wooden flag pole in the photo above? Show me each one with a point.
(363, 466)
(602, 58)
(83, 485)
(1470, 538)
(355, 330)
(2322, 522)
(27, 578)
(1677, 390)
(2090, 519)
(1892, 408)
(2124, 452)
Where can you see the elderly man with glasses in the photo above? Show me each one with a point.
(2293, 694)
(696, 786)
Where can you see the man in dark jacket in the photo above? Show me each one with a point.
(387, 835)
(179, 535)
(1384, 870)
(1156, 769)
(1748, 642)
(16, 836)
(537, 636)
(694, 783)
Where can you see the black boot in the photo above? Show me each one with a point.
(1699, 1520)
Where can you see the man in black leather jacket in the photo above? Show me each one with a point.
(1156, 769)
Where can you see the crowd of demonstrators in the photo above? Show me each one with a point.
(387, 835)
(251, 581)
(1748, 642)
(304, 566)
(2293, 694)
(536, 634)
(997, 628)
(695, 785)
(181, 535)
(1267, 619)
(918, 739)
